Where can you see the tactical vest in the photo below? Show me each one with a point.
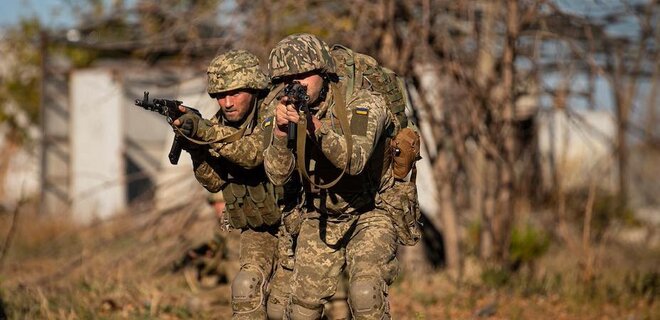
(250, 198)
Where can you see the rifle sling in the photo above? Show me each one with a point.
(340, 108)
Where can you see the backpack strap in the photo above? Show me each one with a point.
(349, 60)
(342, 116)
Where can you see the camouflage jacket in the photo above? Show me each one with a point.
(325, 154)
(213, 166)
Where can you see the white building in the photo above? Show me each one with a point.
(102, 152)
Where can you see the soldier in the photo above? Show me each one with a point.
(339, 223)
(230, 161)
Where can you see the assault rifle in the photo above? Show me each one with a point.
(169, 109)
(296, 94)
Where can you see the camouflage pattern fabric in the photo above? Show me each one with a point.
(258, 250)
(233, 162)
(300, 53)
(236, 69)
(369, 252)
(246, 152)
(342, 226)
(279, 290)
(358, 188)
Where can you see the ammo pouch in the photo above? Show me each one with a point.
(405, 152)
(250, 206)
(401, 203)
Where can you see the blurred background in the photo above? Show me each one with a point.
(538, 184)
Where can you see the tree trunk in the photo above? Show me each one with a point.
(505, 198)
(448, 213)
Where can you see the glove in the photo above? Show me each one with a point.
(193, 126)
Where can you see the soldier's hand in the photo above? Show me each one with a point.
(187, 123)
(190, 124)
(284, 113)
(179, 122)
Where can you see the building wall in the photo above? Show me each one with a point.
(118, 151)
(97, 186)
(579, 146)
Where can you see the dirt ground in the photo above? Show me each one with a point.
(123, 269)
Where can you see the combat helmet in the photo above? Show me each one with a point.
(236, 69)
(299, 53)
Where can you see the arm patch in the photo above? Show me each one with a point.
(360, 121)
(267, 126)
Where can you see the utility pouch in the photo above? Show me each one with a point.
(234, 195)
(263, 201)
(405, 152)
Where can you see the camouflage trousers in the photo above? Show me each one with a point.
(281, 284)
(258, 253)
(364, 246)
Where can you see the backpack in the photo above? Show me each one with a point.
(362, 71)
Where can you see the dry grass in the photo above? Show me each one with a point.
(121, 269)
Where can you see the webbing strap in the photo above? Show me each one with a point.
(342, 116)
(273, 94)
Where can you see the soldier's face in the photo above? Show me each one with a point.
(314, 84)
(235, 104)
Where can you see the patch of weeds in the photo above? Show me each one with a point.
(528, 244)
(495, 277)
(516, 313)
(178, 311)
(425, 298)
(645, 284)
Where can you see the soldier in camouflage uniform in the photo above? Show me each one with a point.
(231, 162)
(339, 224)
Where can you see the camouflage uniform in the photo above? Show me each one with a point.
(234, 167)
(341, 227)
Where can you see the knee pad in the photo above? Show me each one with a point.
(247, 290)
(298, 312)
(367, 298)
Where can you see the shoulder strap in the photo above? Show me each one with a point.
(350, 68)
(274, 92)
(342, 116)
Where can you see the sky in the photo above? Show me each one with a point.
(50, 12)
